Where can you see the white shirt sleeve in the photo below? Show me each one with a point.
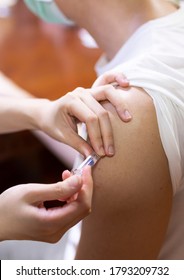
(166, 87)
(153, 59)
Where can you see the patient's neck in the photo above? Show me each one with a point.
(116, 21)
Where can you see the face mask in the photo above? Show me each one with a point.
(48, 11)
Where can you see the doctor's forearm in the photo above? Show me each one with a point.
(18, 114)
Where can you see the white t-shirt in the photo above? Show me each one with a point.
(153, 58)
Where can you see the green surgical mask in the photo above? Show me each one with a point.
(48, 11)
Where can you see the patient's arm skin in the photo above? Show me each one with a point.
(132, 190)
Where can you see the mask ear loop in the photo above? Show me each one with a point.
(49, 11)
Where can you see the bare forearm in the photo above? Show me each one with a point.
(9, 88)
(20, 113)
(18, 110)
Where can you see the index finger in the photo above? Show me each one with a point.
(110, 78)
(104, 79)
(108, 92)
(57, 191)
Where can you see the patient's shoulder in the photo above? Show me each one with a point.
(132, 193)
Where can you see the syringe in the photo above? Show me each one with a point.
(90, 160)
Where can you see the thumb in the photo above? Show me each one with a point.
(109, 93)
(121, 80)
(58, 191)
(104, 79)
(110, 78)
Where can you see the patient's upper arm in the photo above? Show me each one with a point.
(132, 192)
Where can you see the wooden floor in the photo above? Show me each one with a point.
(48, 61)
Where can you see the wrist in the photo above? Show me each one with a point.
(37, 113)
(21, 113)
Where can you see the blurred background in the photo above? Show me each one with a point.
(46, 60)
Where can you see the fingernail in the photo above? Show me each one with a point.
(101, 152)
(126, 81)
(111, 150)
(121, 80)
(127, 115)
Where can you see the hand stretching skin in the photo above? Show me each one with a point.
(111, 81)
(23, 215)
(59, 120)
(110, 77)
